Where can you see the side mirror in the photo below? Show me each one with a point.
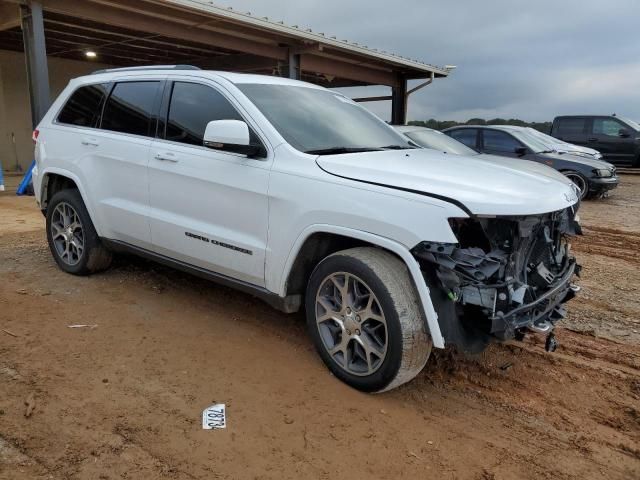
(624, 133)
(520, 151)
(231, 136)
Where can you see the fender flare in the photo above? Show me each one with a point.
(403, 252)
(66, 173)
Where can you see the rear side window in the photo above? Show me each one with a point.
(568, 126)
(500, 141)
(84, 105)
(130, 107)
(466, 136)
(192, 106)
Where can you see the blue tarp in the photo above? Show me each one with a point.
(1, 179)
(23, 188)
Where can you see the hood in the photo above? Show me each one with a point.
(526, 166)
(484, 187)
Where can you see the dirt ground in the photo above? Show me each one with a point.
(123, 399)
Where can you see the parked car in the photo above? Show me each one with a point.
(301, 197)
(559, 146)
(617, 138)
(592, 177)
(436, 140)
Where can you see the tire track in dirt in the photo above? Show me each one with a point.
(609, 242)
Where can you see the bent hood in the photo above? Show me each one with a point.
(483, 187)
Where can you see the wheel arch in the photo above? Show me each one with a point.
(54, 180)
(318, 241)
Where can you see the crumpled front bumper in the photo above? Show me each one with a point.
(541, 314)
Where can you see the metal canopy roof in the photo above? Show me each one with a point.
(144, 32)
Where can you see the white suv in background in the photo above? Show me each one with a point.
(301, 197)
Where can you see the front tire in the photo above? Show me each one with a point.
(580, 181)
(72, 238)
(365, 319)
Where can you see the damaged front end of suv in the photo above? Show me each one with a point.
(507, 275)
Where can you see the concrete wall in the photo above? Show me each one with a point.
(16, 146)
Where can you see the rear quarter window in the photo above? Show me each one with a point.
(571, 126)
(83, 106)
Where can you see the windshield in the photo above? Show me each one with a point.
(547, 139)
(631, 123)
(439, 141)
(533, 142)
(319, 121)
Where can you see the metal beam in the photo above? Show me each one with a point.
(36, 57)
(294, 65)
(399, 103)
(350, 71)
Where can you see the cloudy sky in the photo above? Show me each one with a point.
(529, 59)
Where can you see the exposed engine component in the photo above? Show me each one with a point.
(507, 274)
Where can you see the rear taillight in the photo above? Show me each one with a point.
(35, 134)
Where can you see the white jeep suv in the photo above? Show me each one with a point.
(299, 196)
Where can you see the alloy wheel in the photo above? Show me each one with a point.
(67, 233)
(351, 323)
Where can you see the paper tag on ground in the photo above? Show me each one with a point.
(214, 417)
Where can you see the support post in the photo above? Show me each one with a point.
(36, 58)
(294, 65)
(399, 103)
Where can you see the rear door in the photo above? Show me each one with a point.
(103, 136)
(208, 208)
(468, 136)
(605, 137)
(572, 130)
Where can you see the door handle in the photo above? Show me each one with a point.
(592, 139)
(89, 142)
(167, 157)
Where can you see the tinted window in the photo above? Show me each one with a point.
(500, 141)
(129, 108)
(192, 106)
(607, 126)
(83, 108)
(465, 135)
(571, 125)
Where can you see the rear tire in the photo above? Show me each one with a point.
(72, 238)
(365, 319)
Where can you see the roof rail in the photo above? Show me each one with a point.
(146, 67)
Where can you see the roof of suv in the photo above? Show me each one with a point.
(236, 78)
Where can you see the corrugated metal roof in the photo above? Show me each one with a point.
(294, 32)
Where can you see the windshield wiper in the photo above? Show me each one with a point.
(339, 150)
(398, 147)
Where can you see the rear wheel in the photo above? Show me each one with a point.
(365, 319)
(579, 180)
(72, 238)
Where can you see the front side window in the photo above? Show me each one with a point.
(83, 107)
(465, 135)
(318, 121)
(607, 126)
(130, 107)
(500, 141)
(571, 126)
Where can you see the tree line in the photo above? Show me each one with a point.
(544, 127)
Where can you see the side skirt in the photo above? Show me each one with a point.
(289, 304)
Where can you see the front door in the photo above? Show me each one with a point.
(605, 137)
(208, 208)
